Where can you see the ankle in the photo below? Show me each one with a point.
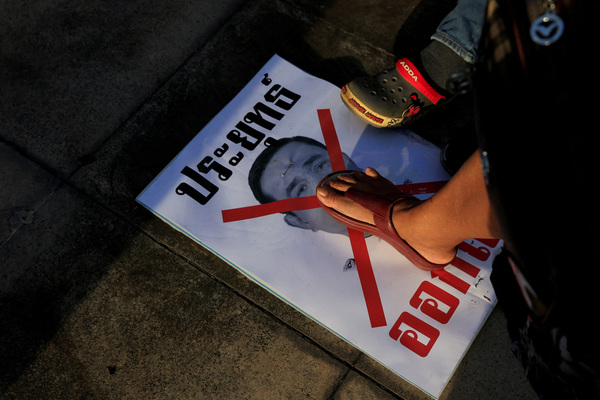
(413, 224)
(441, 63)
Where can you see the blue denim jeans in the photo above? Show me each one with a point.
(461, 28)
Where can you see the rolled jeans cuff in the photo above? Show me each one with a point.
(469, 56)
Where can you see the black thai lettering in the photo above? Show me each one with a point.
(266, 80)
(269, 141)
(207, 164)
(221, 150)
(257, 117)
(281, 93)
(236, 159)
(186, 189)
(248, 142)
(245, 134)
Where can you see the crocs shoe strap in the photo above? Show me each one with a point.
(410, 73)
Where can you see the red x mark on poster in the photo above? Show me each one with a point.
(357, 239)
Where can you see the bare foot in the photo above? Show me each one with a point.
(404, 218)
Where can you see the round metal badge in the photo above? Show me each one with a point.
(547, 29)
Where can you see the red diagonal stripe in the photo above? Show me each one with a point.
(421, 188)
(367, 278)
(331, 141)
(357, 239)
(309, 202)
(260, 210)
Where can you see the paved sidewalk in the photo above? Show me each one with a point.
(101, 300)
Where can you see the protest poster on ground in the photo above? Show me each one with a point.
(244, 188)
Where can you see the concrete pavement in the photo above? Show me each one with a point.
(101, 300)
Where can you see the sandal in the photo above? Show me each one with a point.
(391, 98)
(381, 207)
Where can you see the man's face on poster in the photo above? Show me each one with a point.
(294, 171)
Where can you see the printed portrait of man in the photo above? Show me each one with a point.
(293, 166)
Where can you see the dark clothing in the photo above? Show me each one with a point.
(537, 127)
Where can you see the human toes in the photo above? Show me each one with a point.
(372, 172)
(331, 189)
(341, 181)
(330, 196)
(334, 199)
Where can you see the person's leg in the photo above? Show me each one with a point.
(454, 44)
(434, 227)
(461, 29)
(419, 83)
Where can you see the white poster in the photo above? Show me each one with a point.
(244, 187)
